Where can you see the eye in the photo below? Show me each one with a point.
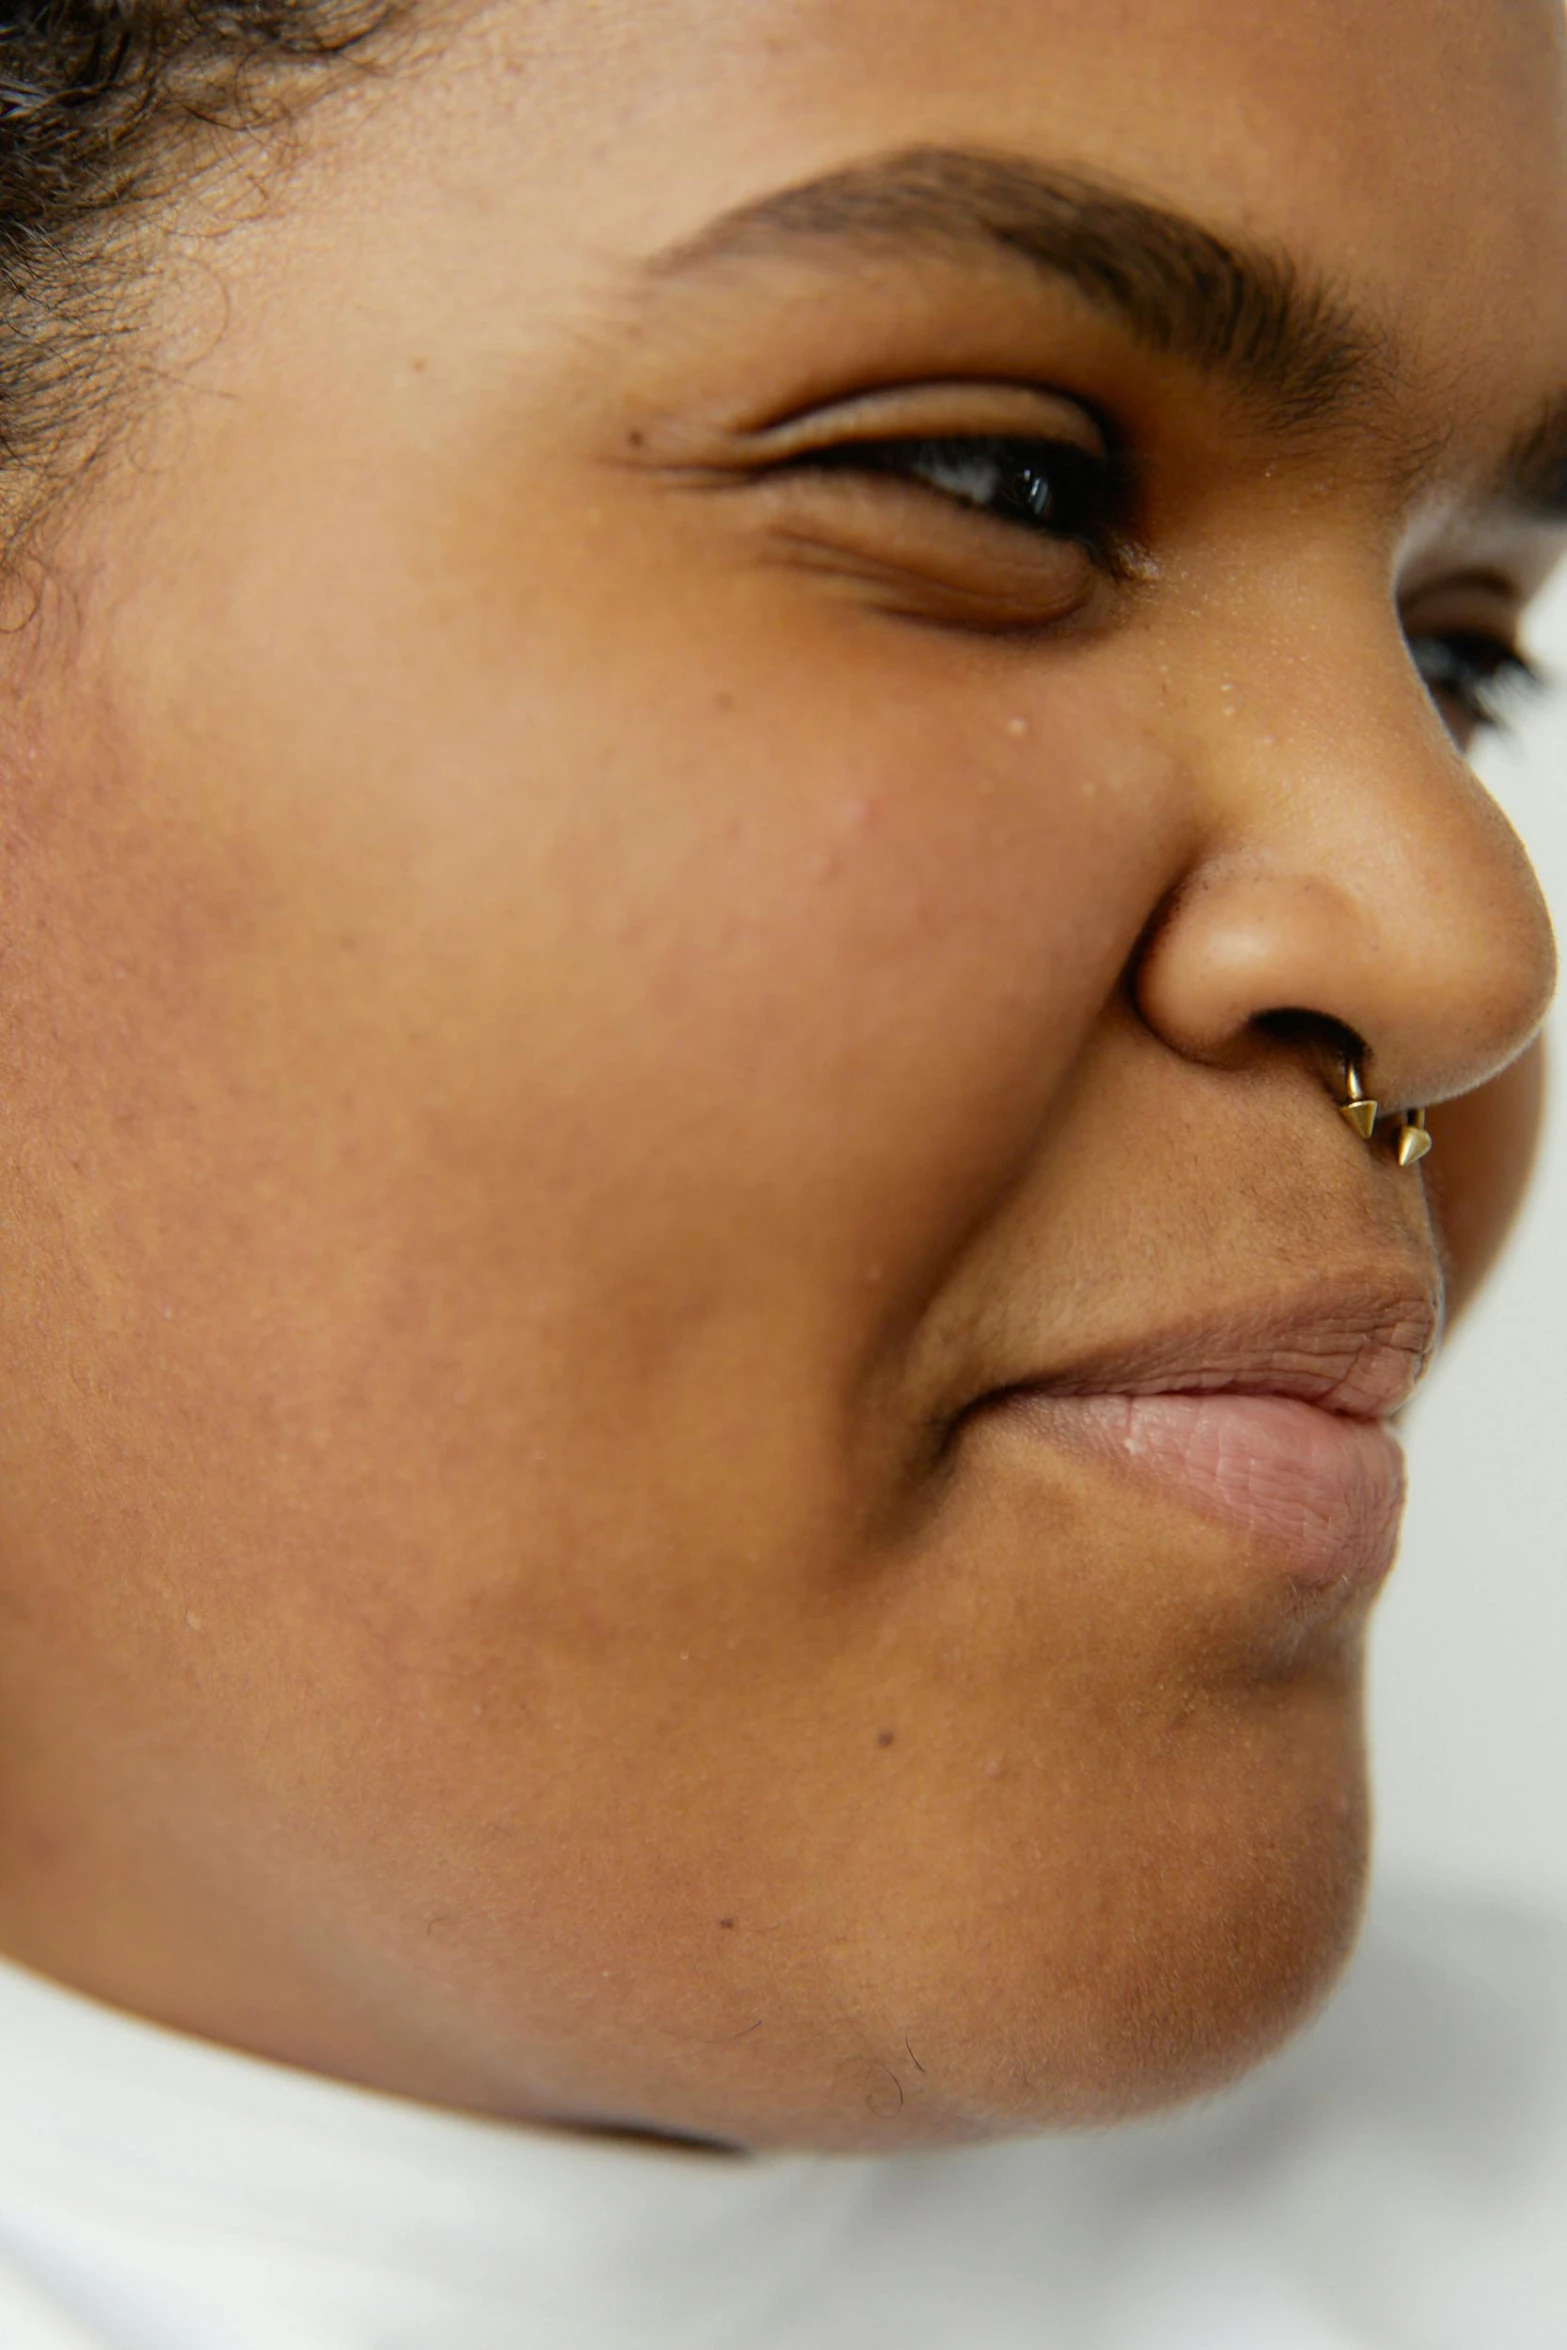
(1050, 489)
(1483, 678)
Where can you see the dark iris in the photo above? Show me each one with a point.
(1052, 487)
(1484, 677)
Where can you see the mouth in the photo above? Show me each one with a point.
(1273, 1423)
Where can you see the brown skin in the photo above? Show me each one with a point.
(559, 1029)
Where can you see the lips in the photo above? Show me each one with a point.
(1270, 1422)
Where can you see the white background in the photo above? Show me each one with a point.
(1469, 1660)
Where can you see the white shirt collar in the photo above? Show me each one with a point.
(114, 2131)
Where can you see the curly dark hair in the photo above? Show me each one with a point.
(104, 106)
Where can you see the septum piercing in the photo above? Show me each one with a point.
(1361, 1112)
(1413, 1139)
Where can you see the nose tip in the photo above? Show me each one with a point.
(1399, 909)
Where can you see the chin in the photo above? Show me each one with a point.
(1144, 1965)
(964, 1981)
(1182, 1986)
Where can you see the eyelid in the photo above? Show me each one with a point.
(956, 410)
(1477, 600)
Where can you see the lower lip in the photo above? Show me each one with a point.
(1326, 1489)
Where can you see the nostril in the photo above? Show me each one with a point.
(1428, 968)
(1324, 1044)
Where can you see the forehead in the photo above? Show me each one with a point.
(1415, 150)
(1369, 103)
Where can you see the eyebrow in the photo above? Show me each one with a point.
(1288, 342)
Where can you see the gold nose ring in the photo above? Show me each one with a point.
(1413, 1139)
(1361, 1112)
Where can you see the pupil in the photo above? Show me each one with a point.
(1028, 492)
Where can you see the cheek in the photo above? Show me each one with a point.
(830, 936)
(510, 1065)
(641, 956)
(702, 913)
(673, 913)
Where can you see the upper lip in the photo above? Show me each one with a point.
(1353, 1350)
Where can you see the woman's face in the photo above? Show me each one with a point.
(676, 852)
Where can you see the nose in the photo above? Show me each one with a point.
(1349, 868)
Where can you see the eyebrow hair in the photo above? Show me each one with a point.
(1286, 341)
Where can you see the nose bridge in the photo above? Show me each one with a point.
(1351, 866)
